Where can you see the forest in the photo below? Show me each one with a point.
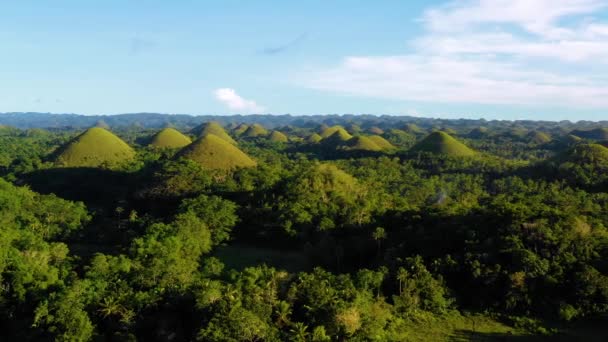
(321, 228)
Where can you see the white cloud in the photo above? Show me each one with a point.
(234, 102)
(490, 52)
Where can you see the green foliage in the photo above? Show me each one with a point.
(255, 130)
(218, 214)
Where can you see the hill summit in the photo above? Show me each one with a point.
(442, 143)
(169, 138)
(93, 148)
(215, 153)
(213, 127)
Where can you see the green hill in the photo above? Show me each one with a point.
(442, 143)
(537, 137)
(328, 132)
(255, 130)
(240, 129)
(413, 128)
(277, 136)
(169, 138)
(214, 128)
(215, 153)
(381, 142)
(593, 134)
(314, 138)
(337, 138)
(95, 147)
(361, 143)
(584, 154)
(375, 130)
(478, 133)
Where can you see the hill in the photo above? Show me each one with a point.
(537, 137)
(240, 129)
(442, 143)
(215, 153)
(169, 138)
(381, 142)
(255, 130)
(478, 133)
(361, 143)
(584, 154)
(277, 136)
(337, 138)
(213, 127)
(95, 147)
(314, 138)
(593, 134)
(326, 133)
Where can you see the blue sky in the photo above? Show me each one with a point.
(504, 59)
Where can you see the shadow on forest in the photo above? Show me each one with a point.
(469, 335)
(93, 186)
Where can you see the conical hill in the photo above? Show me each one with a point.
(213, 127)
(216, 153)
(442, 143)
(381, 142)
(95, 147)
(169, 138)
(278, 137)
(255, 130)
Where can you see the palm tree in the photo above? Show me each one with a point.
(299, 332)
(402, 276)
(379, 234)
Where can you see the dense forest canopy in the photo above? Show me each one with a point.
(301, 228)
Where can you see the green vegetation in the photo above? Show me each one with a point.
(336, 131)
(361, 143)
(215, 153)
(240, 129)
(537, 137)
(95, 147)
(329, 241)
(600, 133)
(278, 137)
(314, 138)
(213, 127)
(169, 138)
(381, 142)
(442, 143)
(255, 130)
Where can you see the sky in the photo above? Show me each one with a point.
(493, 59)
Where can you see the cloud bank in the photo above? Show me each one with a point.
(516, 52)
(234, 102)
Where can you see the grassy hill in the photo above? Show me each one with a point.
(95, 147)
(442, 143)
(361, 143)
(255, 130)
(277, 136)
(593, 134)
(537, 137)
(216, 153)
(169, 138)
(337, 138)
(381, 142)
(214, 128)
(240, 129)
(314, 138)
(327, 132)
(585, 154)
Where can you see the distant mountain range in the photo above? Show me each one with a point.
(27, 120)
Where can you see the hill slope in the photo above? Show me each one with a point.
(95, 147)
(442, 143)
(215, 153)
(213, 127)
(169, 138)
(277, 136)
